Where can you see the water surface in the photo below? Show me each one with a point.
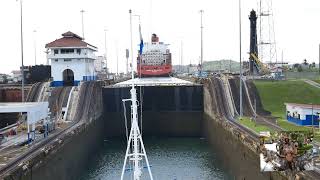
(170, 158)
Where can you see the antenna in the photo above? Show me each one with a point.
(135, 148)
(266, 44)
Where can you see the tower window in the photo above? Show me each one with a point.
(67, 51)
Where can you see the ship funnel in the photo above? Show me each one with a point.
(154, 38)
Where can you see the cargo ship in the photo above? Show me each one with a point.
(154, 60)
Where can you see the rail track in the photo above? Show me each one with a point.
(221, 104)
(82, 112)
(34, 92)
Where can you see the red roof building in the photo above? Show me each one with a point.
(72, 60)
(70, 39)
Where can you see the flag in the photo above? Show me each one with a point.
(141, 40)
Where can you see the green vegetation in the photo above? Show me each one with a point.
(291, 127)
(275, 93)
(253, 126)
(221, 65)
(317, 80)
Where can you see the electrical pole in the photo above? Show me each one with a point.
(82, 11)
(21, 43)
(240, 39)
(201, 57)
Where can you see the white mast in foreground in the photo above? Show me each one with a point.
(135, 148)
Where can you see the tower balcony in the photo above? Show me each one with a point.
(71, 56)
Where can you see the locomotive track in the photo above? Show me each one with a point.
(34, 92)
(222, 107)
(82, 113)
(221, 103)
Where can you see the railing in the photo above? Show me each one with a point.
(71, 56)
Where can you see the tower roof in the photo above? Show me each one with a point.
(69, 39)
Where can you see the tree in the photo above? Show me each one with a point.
(300, 68)
(296, 66)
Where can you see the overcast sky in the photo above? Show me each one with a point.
(296, 23)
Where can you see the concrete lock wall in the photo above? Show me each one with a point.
(237, 157)
(167, 111)
(171, 112)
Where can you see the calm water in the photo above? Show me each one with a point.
(170, 158)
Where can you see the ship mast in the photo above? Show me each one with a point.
(135, 147)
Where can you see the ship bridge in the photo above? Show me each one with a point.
(155, 81)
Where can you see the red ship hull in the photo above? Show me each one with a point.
(164, 70)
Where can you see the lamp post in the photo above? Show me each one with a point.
(35, 46)
(105, 50)
(240, 56)
(201, 57)
(131, 46)
(82, 11)
(21, 43)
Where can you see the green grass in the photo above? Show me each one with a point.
(291, 127)
(317, 80)
(253, 126)
(275, 94)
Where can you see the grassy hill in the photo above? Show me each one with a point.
(275, 94)
(221, 65)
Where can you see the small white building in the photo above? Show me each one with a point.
(16, 76)
(72, 60)
(303, 114)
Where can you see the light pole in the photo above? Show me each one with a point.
(132, 74)
(105, 50)
(117, 51)
(82, 11)
(21, 43)
(35, 46)
(240, 46)
(201, 28)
